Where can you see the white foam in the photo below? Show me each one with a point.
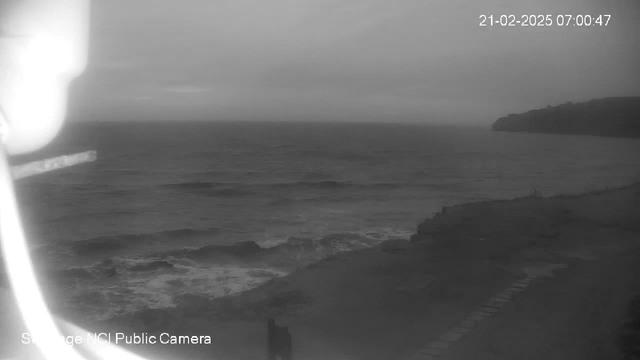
(156, 291)
(133, 291)
(371, 237)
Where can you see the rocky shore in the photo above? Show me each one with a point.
(615, 116)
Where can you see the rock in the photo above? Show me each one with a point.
(613, 116)
(394, 246)
(175, 283)
(249, 246)
(194, 301)
(151, 266)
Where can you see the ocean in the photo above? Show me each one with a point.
(173, 210)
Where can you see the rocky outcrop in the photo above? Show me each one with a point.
(619, 117)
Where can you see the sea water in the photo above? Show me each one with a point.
(176, 210)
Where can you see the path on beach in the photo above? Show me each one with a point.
(570, 313)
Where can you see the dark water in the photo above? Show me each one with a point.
(157, 216)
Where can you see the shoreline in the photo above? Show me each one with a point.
(399, 294)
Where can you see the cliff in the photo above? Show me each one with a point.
(619, 116)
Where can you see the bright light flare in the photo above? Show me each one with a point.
(29, 298)
(21, 274)
(43, 47)
(49, 55)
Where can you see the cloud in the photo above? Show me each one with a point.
(337, 56)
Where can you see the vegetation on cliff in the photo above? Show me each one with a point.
(619, 116)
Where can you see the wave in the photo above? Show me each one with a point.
(119, 192)
(106, 245)
(317, 175)
(230, 192)
(125, 171)
(194, 185)
(206, 185)
(130, 292)
(152, 266)
(211, 188)
(325, 153)
(282, 202)
(327, 184)
(112, 267)
(285, 201)
(162, 246)
(165, 279)
(333, 184)
(221, 189)
(242, 249)
(292, 253)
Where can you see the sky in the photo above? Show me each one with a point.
(348, 60)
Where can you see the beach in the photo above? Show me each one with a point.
(574, 257)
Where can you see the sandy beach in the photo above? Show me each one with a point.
(527, 278)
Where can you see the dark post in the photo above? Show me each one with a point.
(279, 345)
(271, 343)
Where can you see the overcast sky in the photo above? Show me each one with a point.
(395, 60)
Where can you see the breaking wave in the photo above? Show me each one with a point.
(104, 245)
(160, 279)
